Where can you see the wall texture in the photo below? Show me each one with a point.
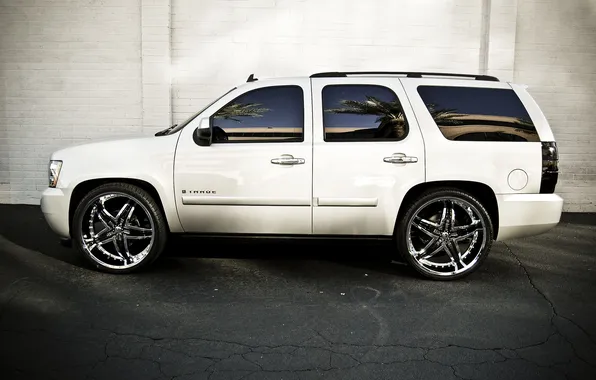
(217, 43)
(555, 54)
(71, 70)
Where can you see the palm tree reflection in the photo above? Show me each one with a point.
(390, 115)
(235, 110)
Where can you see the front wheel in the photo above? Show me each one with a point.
(119, 228)
(445, 234)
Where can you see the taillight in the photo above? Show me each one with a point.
(550, 167)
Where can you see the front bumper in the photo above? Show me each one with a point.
(522, 215)
(54, 205)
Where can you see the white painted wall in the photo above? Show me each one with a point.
(72, 70)
(217, 43)
(555, 54)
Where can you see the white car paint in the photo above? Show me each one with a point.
(248, 194)
(489, 163)
(355, 191)
(342, 188)
(148, 159)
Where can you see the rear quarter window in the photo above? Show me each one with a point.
(478, 114)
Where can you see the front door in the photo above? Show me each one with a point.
(368, 152)
(256, 177)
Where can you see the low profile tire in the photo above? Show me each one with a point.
(119, 228)
(445, 234)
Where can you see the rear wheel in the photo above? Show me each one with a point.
(119, 228)
(445, 234)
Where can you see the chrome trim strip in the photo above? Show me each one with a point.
(243, 201)
(348, 202)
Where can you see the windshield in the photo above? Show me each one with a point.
(185, 122)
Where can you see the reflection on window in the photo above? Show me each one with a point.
(478, 114)
(269, 114)
(362, 113)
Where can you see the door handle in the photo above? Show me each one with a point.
(287, 159)
(400, 158)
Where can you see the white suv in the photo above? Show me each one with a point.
(442, 163)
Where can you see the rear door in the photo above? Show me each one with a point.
(367, 153)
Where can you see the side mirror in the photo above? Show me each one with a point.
(203, 134)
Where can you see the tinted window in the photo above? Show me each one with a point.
(478, 114)
(362, 113)
(269, 114)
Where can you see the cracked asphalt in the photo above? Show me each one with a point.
(217, 309)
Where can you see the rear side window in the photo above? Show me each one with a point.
(362, 113)
(478, 114)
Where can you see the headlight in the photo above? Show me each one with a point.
(54, 172)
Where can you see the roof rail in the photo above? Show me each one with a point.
(409, 74)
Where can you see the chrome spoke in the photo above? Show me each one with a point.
(100, 243)
(466, 227)
(123, 210)
(443, 215)
(104, 241)
(425, 256)
(469, 235)
(130, 212)
(452, 216)
(103, 213)
(102, 232)
(135, 228)
(427, 222)
(138, 237)
(125, 257)
(424, 230)
(101, 217)
(125, 243)
(452, 250)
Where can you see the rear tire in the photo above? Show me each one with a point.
(119, 228)
(445, 234)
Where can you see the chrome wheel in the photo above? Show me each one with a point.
(446, 236)
(117, 231)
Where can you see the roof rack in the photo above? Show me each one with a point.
(409, 74)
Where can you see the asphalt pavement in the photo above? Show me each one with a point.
(225, 309)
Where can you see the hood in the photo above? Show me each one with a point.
(121, 147)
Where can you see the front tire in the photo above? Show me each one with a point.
(119, 228)
(445, 234)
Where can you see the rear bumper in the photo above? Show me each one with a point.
(522, 215)
(54, 205)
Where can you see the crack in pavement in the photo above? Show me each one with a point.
(554, 313)
(331, 348)
(551, 304)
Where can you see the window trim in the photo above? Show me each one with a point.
(483, 88)
(301, 139)
(407, 123)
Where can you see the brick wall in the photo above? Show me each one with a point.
(555, 54)
(71, 70)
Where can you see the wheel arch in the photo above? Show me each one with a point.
(484, 193)
(82, 188)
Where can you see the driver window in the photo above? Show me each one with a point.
(269, 114)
